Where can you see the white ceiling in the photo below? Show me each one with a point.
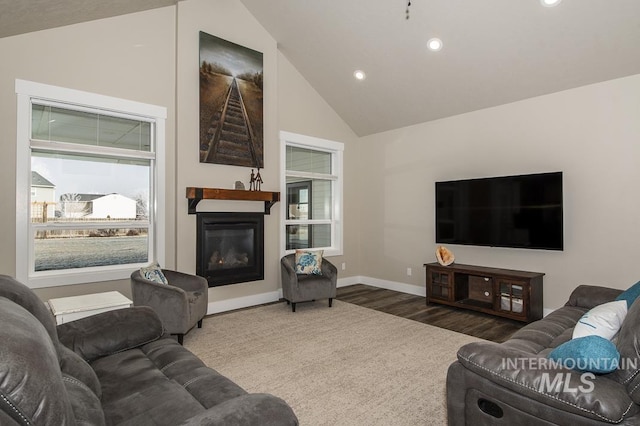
(495, 51)
(23, 16)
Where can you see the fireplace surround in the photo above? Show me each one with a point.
(230, 247)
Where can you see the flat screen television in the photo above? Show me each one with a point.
(522, 211)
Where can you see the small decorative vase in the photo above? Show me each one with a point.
(444, 256)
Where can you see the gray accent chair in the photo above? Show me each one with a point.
(113, 368)
(180, 305)
(305, 288)
(508, 383)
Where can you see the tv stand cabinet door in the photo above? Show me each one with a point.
(512, 298)
(439, 285)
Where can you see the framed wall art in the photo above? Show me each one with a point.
(231, 103)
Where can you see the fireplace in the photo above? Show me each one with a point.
(230, 247)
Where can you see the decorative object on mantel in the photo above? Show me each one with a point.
(231, 103)
(445, 256)
(256, 181)
(195, 195)
(239, 186)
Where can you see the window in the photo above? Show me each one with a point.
(89, 186)
(312, 208)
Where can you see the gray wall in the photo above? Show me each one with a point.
(590, 133)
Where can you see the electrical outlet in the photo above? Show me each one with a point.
(344, 265)
(409, 272)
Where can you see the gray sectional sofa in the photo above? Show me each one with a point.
(512, 383)
(114, 368)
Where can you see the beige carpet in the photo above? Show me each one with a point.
(344, 365)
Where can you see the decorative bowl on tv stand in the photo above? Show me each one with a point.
(444, 256)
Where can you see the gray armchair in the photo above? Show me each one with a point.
(180, 305)
(304, 288)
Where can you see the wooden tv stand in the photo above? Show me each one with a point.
(502, 292)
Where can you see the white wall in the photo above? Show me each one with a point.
(590, 133)
(152, 57)
(303, 111)
(130, 57)
(289, 104)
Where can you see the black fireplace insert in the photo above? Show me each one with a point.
(230, 247)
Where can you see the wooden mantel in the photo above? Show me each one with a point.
(195, 195)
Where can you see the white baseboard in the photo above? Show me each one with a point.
(389, 285)
(243, 302)
(274, 296)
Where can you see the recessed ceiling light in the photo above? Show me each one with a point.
(359, 75)
(434, 44)
(550, 3)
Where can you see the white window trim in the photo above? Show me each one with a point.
(318, 144)
(25, 91)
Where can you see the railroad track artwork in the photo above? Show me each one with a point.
(231, 139)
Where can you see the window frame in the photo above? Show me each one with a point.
(27, 91)
(336, 149)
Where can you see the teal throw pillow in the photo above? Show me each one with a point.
(309, 262)
(592, 354)
(631, 294)
(154, 273)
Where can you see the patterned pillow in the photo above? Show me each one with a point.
(309, 262)
(154, 273)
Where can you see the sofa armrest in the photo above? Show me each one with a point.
(111, 332)
(589, 296)
(540, 379)
(257, 409)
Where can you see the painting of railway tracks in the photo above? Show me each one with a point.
(231, 121)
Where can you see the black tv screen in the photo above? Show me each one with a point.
(522, 211)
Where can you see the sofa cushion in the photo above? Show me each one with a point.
(111, 332)
(589, 296)
(159, 383)
(551, 331)
(23, 296)
(603, 320)
(72, 365)
(31, 386)
(86, 406)
(594, 354)
(628, 343)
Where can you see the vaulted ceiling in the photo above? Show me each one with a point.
(494, 51)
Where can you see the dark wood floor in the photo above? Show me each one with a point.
(414, 307)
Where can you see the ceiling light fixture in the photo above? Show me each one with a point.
(434, 44)
(408, 4)
(550, 3)
(359, 75)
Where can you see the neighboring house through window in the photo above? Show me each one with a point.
(43, 198)
(312, 206)
(89, 188)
